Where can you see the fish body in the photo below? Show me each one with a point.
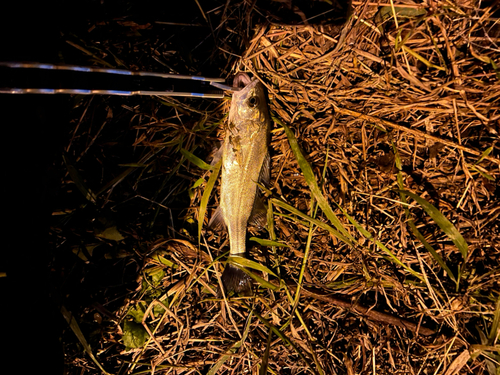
(245, 161)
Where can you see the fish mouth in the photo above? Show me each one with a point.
(240, 81)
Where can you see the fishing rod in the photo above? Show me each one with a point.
(40, 78)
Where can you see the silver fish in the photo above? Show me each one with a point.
(245, 161)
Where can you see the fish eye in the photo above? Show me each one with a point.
(253, 101)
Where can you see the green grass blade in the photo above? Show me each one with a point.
(446, 226)
(206, 197)
(484, 174)
(412, 225)
(244, 262)
(484, 154)
(320, 224)
(379, 244)
(263, 282)
(496, 324)
(263, 242)
(312, 183)
(304, 265)
(78, 333)
(272, 236)
(406, 12)
(198, 182)
(265, 358)
(215, 368)
(195, 160)
(283, 338)
(431, 250)
(422, 59)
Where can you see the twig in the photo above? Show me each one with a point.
(369, 313)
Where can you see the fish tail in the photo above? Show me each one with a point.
(235, 280)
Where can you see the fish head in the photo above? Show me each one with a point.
(249, 103)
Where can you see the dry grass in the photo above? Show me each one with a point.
(400, 97)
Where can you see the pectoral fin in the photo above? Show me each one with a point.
(265, 171)
(217, 156)
(217, 221)
(258, 217)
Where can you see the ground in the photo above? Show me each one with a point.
(382, 210)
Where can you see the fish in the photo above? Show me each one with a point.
(245, 162)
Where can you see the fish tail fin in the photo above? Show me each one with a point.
(235, 280)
